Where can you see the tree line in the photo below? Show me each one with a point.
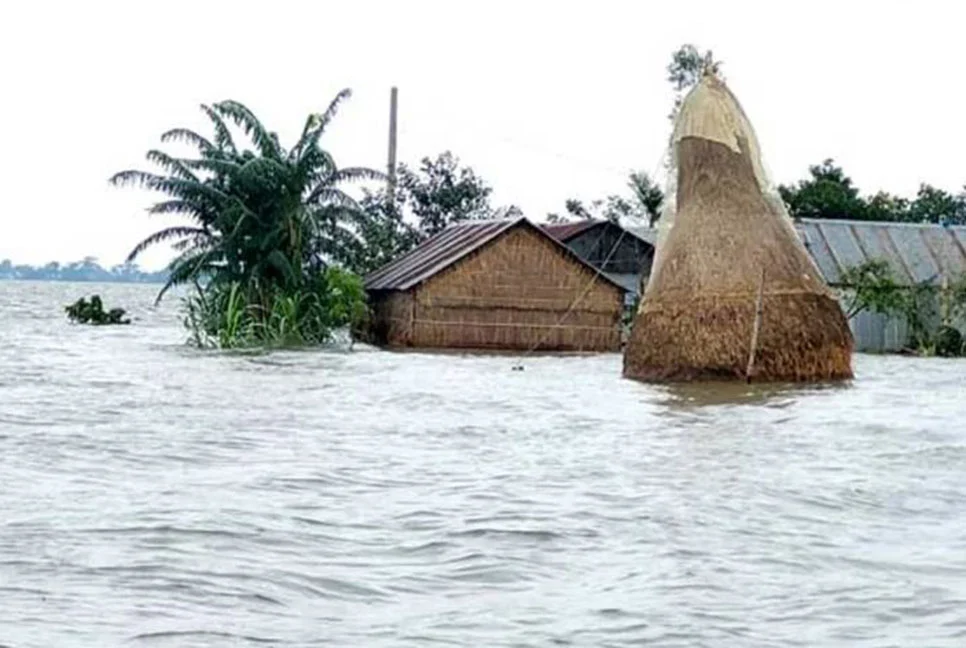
(275, 244)
(827, 192)
(87, 269)
(441, 191)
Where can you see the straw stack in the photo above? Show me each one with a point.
(733, 293)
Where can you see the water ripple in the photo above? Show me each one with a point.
(154, 495)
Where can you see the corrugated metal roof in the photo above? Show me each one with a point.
(565, 231)
(915, 252)
(435, 254)
(438, 252)
(646, 234)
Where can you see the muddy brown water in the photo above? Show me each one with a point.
(155, 496)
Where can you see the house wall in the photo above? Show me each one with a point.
(392, 315)
(875, 333)
(512, 294)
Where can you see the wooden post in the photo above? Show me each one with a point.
(755, 328)
(412, 317)
(944, 302)
(393, 104)
(944, 305)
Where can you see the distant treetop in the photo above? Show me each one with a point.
(85, 270)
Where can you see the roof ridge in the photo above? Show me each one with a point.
(449, 246)
(436, 253)
(875, 223)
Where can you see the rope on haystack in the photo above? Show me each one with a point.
(724, 227)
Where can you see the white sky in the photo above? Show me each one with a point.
(545, 102)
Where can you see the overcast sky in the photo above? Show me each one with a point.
(545, 102)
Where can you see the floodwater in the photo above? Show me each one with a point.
(156, 496)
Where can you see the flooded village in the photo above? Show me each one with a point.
(915, 253)
(598, 403)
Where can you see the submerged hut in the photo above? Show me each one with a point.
(733, 293)
(495, 285)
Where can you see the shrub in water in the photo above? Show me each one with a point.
(949, 342)
(233, 315)
(92, 312)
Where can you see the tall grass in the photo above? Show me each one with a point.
(236, 316)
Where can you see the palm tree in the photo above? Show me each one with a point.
(262, 217)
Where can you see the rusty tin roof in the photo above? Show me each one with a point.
(445, 248)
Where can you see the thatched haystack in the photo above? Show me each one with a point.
(733, 293)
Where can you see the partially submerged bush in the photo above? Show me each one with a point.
(92, 312)
(949, 342)
(236, 316)
(872, 287)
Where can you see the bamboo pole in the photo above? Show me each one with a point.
(755, 327)
(391, 164)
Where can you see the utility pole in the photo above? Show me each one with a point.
(944, 305)
(393, 102)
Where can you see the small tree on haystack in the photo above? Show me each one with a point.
(733, 293)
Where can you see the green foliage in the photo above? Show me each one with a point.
(644, 203)
(611, 208)
(882, 206)
(684, 70)
(426, 200)
(229, 316)
(954, 305)
(441, 192)
(919, 310)
(949, 342)
(269, 227)
(872, 288)
(648, 195)
(92, 312)
(384, 232)
(829, 193)
(342, 298)
(687, 66)
(934, 205)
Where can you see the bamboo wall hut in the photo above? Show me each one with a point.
(733, 293)
(495, 285)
